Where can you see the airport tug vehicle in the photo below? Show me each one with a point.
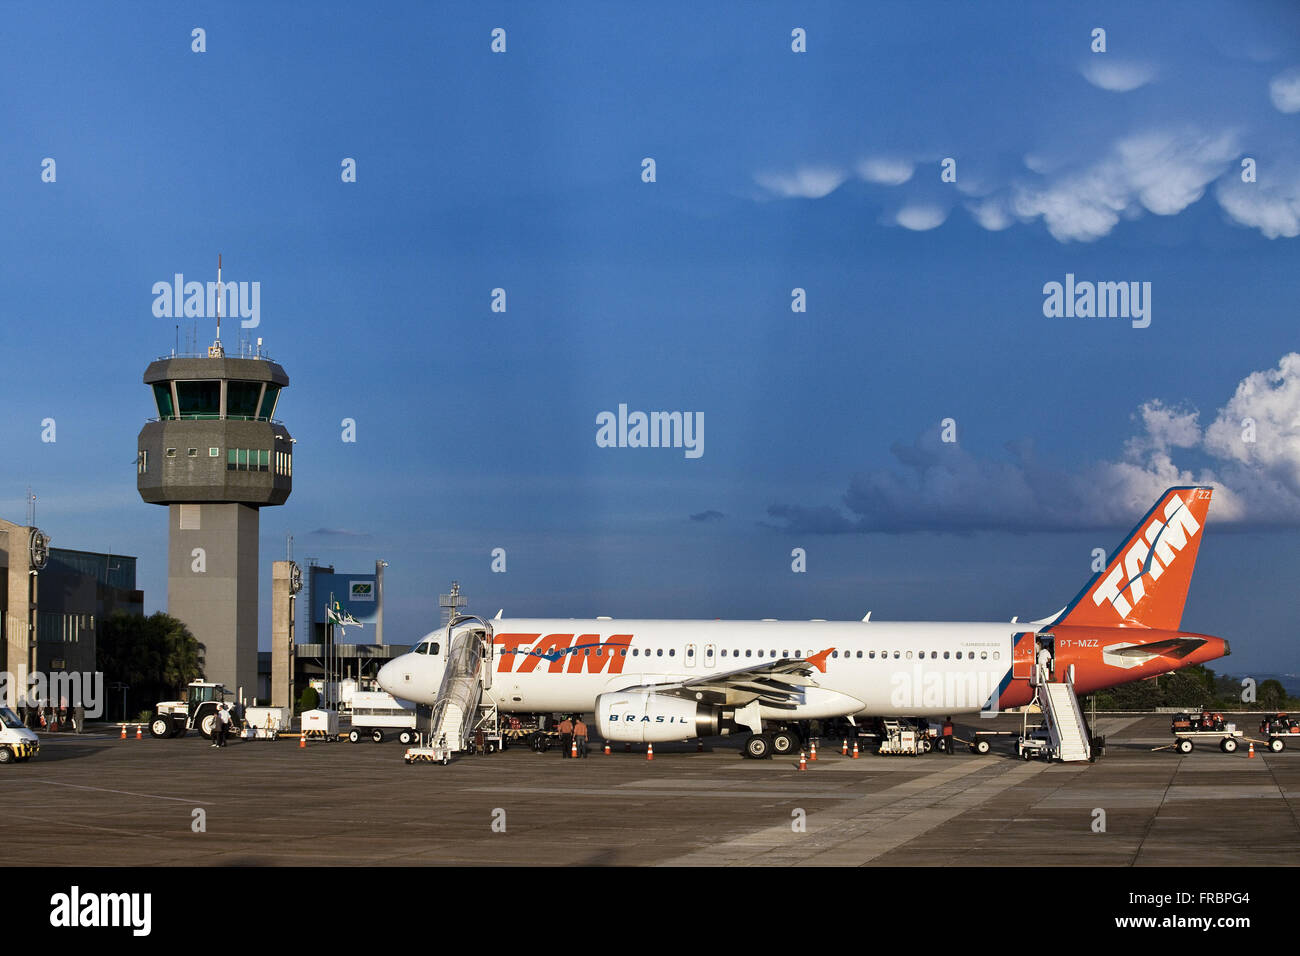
(17, 743)
(1279, 728)
(1206, 726)
(173, 718)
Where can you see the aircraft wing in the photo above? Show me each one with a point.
(777, 684)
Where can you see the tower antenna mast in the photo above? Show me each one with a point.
(216, 351)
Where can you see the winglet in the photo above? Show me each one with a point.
(499, 613)
(819, 660)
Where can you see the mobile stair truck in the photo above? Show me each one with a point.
(458, 711)
(1063, 734)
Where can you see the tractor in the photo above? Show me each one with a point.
(174, 717)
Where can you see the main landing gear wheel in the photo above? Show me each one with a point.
(1277, 745)
(160, 727)
(758, 747)
(784, 742)
(1184, 746)
(1228, 745)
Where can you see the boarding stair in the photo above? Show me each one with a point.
(1064, 718)
(457, 708)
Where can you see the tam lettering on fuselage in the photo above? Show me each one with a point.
(586, 653)
(1164, 539)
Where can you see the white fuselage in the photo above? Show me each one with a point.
(873, 668)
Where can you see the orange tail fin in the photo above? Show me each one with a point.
(1146, 578)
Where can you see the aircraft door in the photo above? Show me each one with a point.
(1022, 655)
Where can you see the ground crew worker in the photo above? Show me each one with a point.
(223, 724)
(580, 736)
(947, 735)
(566, 737)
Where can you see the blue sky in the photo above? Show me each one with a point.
(775, 170)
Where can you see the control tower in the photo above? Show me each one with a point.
(214, 456)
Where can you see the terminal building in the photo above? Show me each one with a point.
(54, 603)
(329, 655)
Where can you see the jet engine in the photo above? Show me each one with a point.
(647, 717)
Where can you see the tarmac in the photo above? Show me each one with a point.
(96, 800)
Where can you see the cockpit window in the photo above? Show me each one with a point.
(425, 647)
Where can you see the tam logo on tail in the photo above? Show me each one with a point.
(1145, 584)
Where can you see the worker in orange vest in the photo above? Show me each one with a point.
(947, 735)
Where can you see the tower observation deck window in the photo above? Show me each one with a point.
(241, 399)
(199, 399)
(248, 459)
(162, 396)
(267, 411)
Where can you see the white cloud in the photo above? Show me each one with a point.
(992, 215)
(1284, 90)
(1271, 206)
(1271, 401)
(885, 172)
(1118, 76)
(921, 217)
(942, 487)
(1161, 172)
(809, 182)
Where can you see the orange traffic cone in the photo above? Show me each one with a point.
(124, 731)
(844, 750)
(573, 748)
(803, 761)
(813, 755)
(606, 748)
(650, 752)
(139, 732)
(855, 750)
(302, 740)
(1252, 750)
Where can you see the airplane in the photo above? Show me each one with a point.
(669, 680)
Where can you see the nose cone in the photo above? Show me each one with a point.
(387, 677)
